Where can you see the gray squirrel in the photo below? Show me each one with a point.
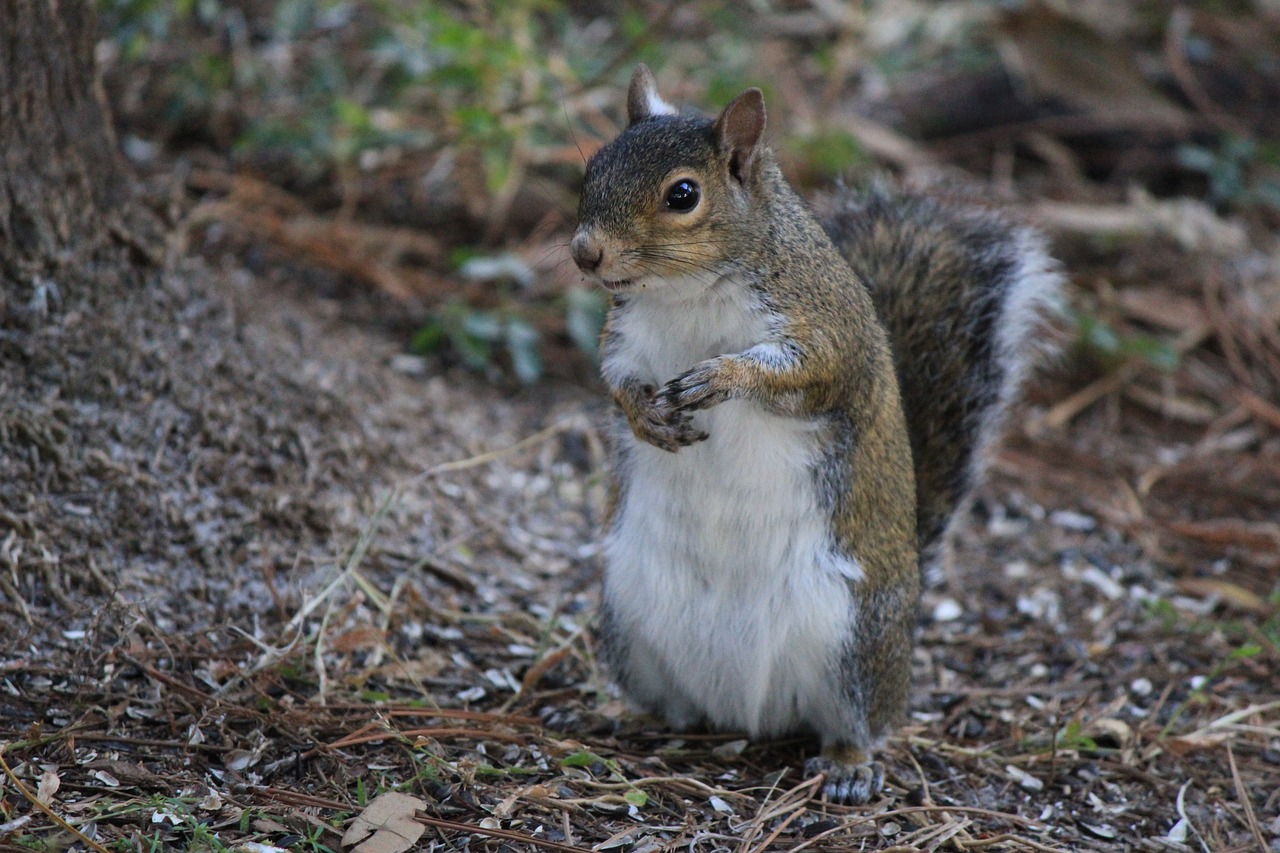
(805, 401)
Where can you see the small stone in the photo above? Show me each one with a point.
(1024, 779)
(1071, 520)
(409, 364)
(732, 749)
(947, 610)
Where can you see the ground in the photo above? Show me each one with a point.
(262, 566)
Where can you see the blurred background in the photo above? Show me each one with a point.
(429, 153)
(417, 165)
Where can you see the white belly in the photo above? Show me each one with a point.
(722, 578)
(725, 598)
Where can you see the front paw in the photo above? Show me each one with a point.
(852, 784)
(698, 388)
(659, 424)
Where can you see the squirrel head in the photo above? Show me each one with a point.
(669, 198)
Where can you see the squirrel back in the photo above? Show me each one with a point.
(961, 292)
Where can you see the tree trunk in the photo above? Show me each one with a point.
(61, 180)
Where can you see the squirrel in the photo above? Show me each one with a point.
(806, 398)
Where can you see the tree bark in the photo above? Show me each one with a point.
(62, 183)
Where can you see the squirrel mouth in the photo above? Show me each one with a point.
(617, 285)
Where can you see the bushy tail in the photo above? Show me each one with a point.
(962, 292)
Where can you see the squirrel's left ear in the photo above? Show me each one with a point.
(643, 100)
(739, 130)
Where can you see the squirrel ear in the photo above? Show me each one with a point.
(643, 100)
(738, 132)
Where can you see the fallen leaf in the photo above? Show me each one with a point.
(1235, 595)
(1159, 307)
(387, 825)
(106, 778)
(1255, 535)
(257, 847)
(1023, 778)
(1110, 733)
(15, 824)
(357, 638)
(49, 783)
(1196, 742)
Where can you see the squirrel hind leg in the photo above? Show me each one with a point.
(850, 776)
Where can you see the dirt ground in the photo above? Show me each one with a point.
(259, 566)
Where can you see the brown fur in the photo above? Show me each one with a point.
(899, 310)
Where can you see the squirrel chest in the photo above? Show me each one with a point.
(723, 574)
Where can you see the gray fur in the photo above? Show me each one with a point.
(763, 362)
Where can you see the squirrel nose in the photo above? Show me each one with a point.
(587, 253)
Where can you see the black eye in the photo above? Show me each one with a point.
(683, 196)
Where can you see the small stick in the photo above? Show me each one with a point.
(1243, 794)
(26, 792)
(509, 835)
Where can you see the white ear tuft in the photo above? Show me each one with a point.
(643, 100)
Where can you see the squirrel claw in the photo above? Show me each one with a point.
(849, 784)
(666, 427)
(693, 389)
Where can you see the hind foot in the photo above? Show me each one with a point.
(851, 778)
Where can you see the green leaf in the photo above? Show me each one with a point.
(1246, 651)
(636, 797)
(429, 338)
(352, 114)
(1156, 351)
(581, 759)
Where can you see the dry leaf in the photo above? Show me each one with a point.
(1234, 594)
(387, 825)
(1110, 733)
(426, 664)
(1231, 531)
(1159, 307)
(364, 637)
(1196, 742)
(49, 783)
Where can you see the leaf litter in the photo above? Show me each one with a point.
(255, 576)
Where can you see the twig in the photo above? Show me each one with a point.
(545, 664)
(445, 713)
(358, 552)
(1235, 716)
(1005, 838)
(1022, 821)
(1175, 56)
(1062, 413)
(363, 736)
(792, 803)
(924, 780)
(519, 837)
(1180, 804)
(778, 830)
(1258, 407)
(1243, 794)
(26, 792)
(492, 455)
